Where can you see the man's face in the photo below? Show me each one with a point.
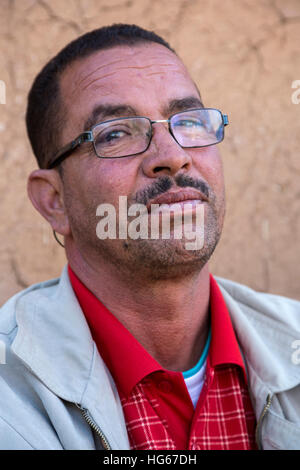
(145, 80)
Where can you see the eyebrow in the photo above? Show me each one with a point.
(108, 110)
(100, 112)
(182, 104)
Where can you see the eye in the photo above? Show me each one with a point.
(112, 135)
(188, 123)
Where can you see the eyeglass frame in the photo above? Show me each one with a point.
(87, 136)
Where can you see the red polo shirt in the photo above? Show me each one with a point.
(150, 394)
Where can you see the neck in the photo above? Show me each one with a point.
(169, 317)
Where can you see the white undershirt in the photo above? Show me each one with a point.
(195, 383)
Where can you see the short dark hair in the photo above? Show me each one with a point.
(44, 116)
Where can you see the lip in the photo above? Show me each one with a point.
(172, 197)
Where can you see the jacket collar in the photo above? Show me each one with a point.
(50, 324)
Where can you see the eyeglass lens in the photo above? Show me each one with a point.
(130, 136)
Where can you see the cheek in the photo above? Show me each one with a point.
(210, 165)
(109, 179)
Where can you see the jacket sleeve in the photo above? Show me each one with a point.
(10, 439)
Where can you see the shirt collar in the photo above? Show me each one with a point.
(224, 346)
(125, 357)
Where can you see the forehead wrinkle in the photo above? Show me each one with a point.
(96, 70)
(125, 68)
(97, 79)
(159, 73)
(126, 57)
(137, 53)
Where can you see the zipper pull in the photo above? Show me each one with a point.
(94, 426)
(260, 420)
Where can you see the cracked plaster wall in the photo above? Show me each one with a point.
(244, 55)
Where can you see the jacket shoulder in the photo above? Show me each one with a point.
(283, 309)
(8, 309)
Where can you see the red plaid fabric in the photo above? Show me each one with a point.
(147, 430)
(223, 418)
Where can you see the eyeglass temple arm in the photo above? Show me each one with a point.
(69, 148)
(225, 119)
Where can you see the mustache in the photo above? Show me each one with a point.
(164, 183)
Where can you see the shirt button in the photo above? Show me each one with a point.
(165, 386)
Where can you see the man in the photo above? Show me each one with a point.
(137, 345)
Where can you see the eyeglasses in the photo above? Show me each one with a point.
(128, 136)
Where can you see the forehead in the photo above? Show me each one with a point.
(144, 76)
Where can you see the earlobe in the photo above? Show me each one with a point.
(45, 191)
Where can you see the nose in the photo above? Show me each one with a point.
(164, 156)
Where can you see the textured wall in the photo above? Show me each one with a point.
(244, 55)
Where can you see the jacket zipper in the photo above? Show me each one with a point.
(94, 426)
(260, 420)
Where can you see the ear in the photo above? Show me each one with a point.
(45, 190)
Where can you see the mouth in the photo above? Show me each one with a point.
(183, 197)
